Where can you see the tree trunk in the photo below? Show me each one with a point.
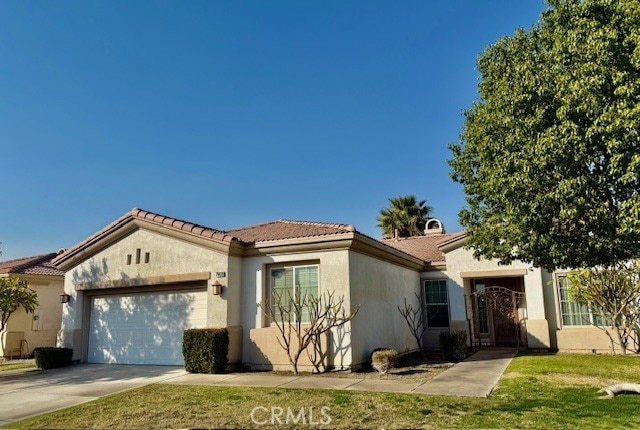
(622, 340)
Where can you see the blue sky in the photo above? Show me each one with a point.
(228, 113)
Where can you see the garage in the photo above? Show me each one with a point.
(144, 328)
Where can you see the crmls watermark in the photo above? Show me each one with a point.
(286, 416)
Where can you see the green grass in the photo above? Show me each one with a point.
(537, 391)
(18, 364)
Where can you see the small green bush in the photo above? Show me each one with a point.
(384, 359)
(50, 357)
(205, 350)
(453, 344)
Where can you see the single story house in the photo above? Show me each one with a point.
(25, 332)
(139, 282)
(503, 305)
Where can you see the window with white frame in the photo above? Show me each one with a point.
(294, 283)
(572, 312)
(437, 301)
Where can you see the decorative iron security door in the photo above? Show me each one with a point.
(499, 316)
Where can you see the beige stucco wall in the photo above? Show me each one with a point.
(380, 287)
(551, 307)
(585, 339)
(581, 339)
(461, 260)
(168, 256)
(260, 348)
(456, 299)
(42, 331)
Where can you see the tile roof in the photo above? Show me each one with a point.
(287, 229)
(36, 265)
(269, 231)
(185, 226)
(424, 247)
(141, 214)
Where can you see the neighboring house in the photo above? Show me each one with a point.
(139, 282)
(24, 331)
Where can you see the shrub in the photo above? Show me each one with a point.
(50, 357)
(453, 344)
(384, 359)
(205, 350)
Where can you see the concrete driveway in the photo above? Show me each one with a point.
(24, 394)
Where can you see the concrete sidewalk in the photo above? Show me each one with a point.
(474, 377)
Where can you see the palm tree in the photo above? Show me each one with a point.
(405, 214)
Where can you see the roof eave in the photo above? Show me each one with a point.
(453, 243)
(347, 240)
(127, 225)
(435, 266)
(299, 244)
(377, 249)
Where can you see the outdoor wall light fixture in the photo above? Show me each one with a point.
(216, 288)
(64, 298)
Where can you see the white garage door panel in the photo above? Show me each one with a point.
(144, 328)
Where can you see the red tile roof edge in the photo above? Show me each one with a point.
(431, 252)
(137, 213)
(6, 267)
(206, 232)
(344, 228)
(189, 227)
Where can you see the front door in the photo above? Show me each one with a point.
(498, 307)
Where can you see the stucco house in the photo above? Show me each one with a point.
(139, 282)
(25, 332)
(503, 305)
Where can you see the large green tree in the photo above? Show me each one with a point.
(406, 214)
(14, 294)
(549, 155)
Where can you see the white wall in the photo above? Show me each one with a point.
(380, 287)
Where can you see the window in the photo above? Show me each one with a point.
(437, 301)
(483, 312)
(574, 313)
(294, 283)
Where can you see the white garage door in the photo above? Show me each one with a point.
(144, 328)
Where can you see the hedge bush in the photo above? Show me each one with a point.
(205, 350)
(453, 344)
(384, 359)
(50, 357)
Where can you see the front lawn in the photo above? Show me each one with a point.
(537, 391)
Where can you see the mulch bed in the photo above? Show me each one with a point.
(411, 367)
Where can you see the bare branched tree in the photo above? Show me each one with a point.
(613, 295)
(416, 318)
(301, 322)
